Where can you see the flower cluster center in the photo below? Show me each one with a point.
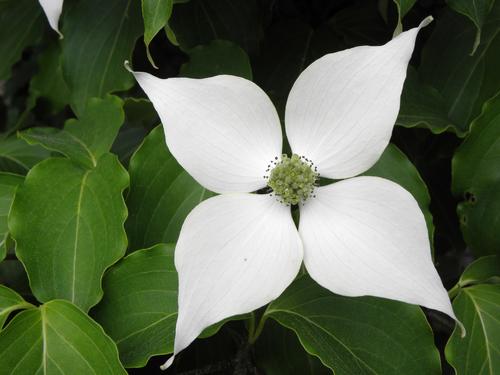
(293, 179)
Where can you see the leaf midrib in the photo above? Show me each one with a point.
(77, 230)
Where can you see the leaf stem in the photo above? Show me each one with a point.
(254, 332)
(452, 293)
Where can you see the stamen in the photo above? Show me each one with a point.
(293, 179)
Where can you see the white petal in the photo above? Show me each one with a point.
(52, 9)
(223, 130)
(341, 110)
(235, 253)
(367, 236)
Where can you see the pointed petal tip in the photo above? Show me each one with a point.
(168, 363)
(463, 331)
(126, 64)
(427, 20)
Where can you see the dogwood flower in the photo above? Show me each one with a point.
(52, 9)
(361, 236)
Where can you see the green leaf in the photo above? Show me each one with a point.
(57, 338)
(423, 106)
(17, 156)
(155, 14)
(218, 57)
(48, 82)
(86, 139)
(403, 7)
(395, 166)
(476, 177)
(98, 37)
(68, 226)
(478, 308)
(10, 301)
(161, 194)
(336, 328)
(476, 11)
(201, 21)
(139, 308)
(278, 352)
(21, 24)
(8, 185)
(464, 82)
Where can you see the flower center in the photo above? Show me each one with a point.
(293, 179)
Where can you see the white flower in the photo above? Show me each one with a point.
(52, 9)
(361, 236)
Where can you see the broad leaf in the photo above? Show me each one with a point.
(8, 185)
(48, 82)
(139, 309)
(476, 177)
(161, 194)
(86, 139)
(155, 14)
(21, 24)
(201, 21)
(476, 11)
(98, 37)
(464, 82)
(17, 156)
(279, 352)
(68, 226)
(10, 301)
(57, 338)
(336, 329)
(395, 166)
(218, 57)
(478, 308)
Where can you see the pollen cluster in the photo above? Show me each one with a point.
(293, 179)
